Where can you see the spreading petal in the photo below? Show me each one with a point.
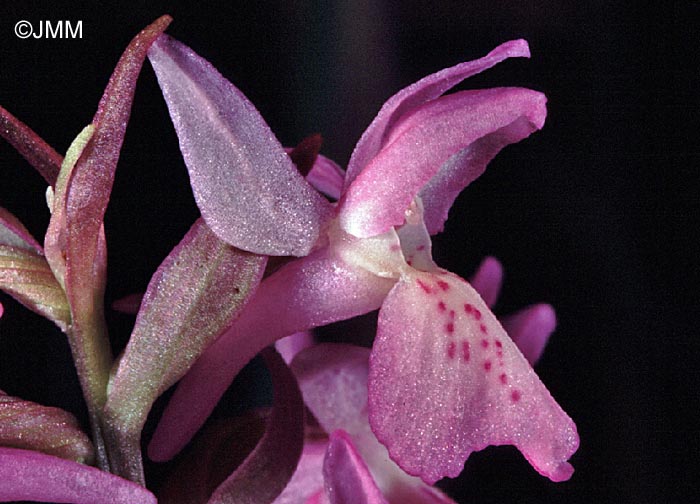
(347, 479)
(424, 140)
(194, 295)
(31, 426)
(267, 470)
(327, 177)
(530, 329)
(445, 380)
(289, 346)
(245, 185)
(418, 93)
(487, 281)
(34, 476)
(306, 293)
(128, 304)
(38, 153)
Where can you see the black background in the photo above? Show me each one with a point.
(593, 214)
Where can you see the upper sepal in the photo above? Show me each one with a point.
(245, 185)
(418, 93)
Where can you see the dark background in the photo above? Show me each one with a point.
(593, 214)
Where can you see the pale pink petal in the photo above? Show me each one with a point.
(31, 426)
(446, 382)
(2, 310)
(333, 380)
(196, 293)
(307, 480)
(347, 479)
(246, 187)
(128, 304)
(34, 476)
(264, 474)
(306, 293)
(38, 153)
(487, 281)
(289, 346)
(423, 140)
(418, 93)
(530, 329)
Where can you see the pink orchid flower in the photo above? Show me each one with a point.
(444, 378)
(333, 381)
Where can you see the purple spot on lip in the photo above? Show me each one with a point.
(443, 285)
(420, 247)
(451, 350)
(450, 327)
(441, 306)
(426, 288)
(503, 378)
(487, 365)
(465, 351)
(482, 328)
(484, 343)
(515, 396)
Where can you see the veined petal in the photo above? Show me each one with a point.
(194, 295)
(306, 293)
(418, 93)
(530, 329)
(245, 185)
(266, 471)
(428, 137)
(38, 153)
(34, 476)
(445, 383)
(31, 426)
(333, 380)
(487, 281)
(347, 479)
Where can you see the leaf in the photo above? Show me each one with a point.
(27, 425)
(38, 153)
(198, 290)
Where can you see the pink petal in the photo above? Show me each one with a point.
(266, 471)
(530, 329)
(198, 290)
(38, 153)
(247, 188)
(34, 476)
(426, 138)
(14, 234)
(418, 93)
(27, 425)
(346, 476)
(306, 293)
(487, 281)
(2, 310)
(307, 481)
(445, 383)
